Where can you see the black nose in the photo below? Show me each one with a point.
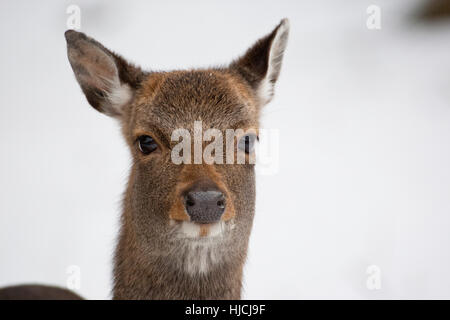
(205, 206)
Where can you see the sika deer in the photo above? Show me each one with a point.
(185, 227)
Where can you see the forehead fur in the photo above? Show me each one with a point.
(170, 100)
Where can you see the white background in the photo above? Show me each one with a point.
(364, 120)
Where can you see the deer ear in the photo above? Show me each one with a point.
(260, 65)
(106, 79)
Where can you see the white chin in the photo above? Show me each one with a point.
(192, 230)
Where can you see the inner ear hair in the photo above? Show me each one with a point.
(260, 66)
(107, 80)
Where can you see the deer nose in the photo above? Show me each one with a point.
(205, 206)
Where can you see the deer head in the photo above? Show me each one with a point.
(185, 226)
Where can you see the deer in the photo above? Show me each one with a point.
(185, 228)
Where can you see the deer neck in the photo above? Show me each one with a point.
(144, 272)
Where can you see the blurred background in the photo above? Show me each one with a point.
(360, 205)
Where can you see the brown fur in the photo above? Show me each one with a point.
(151, 259)
(148, 259)
(433, 10)
(37, 292)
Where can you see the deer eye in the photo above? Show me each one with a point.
(146, 144)
(247, 143)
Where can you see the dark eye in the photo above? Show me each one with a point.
(146, 144)
(247, 143)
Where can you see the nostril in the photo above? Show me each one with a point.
(221, 204)
(190, 202)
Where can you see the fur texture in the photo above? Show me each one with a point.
(161, 254)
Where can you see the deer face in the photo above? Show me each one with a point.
(172, 206)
